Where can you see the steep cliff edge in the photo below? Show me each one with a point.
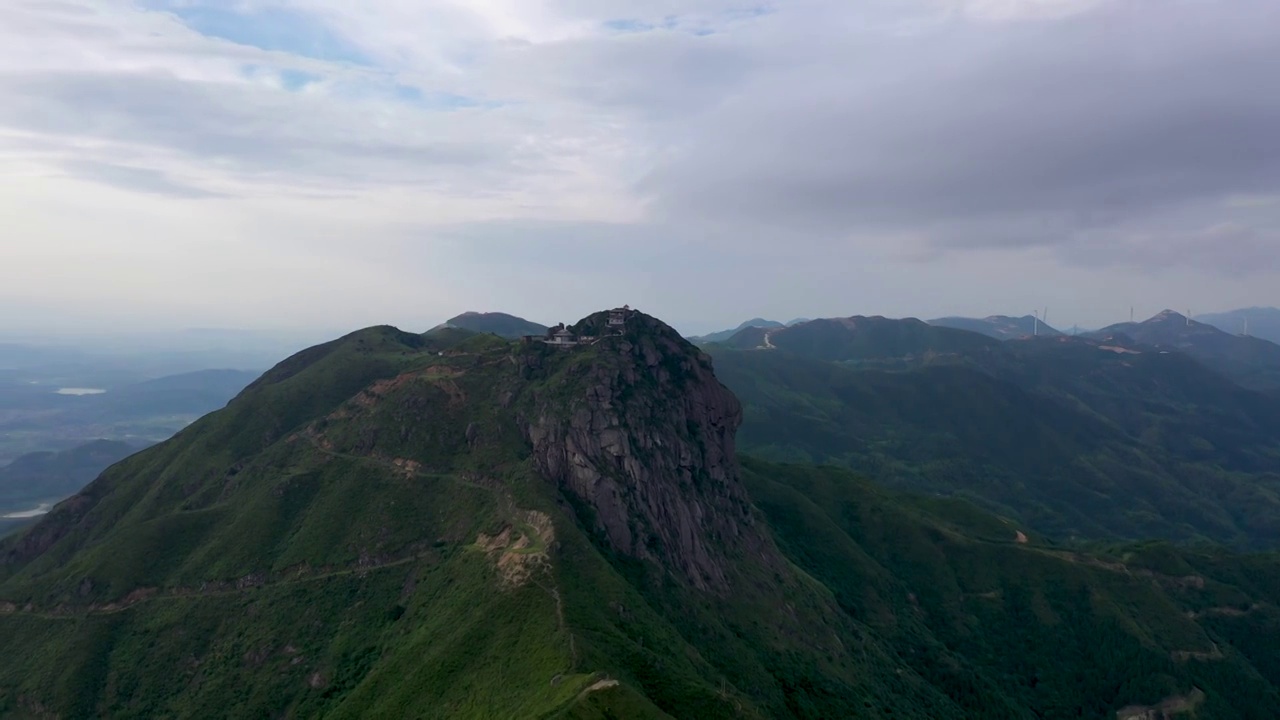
(639, 430)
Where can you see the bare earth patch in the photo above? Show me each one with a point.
(602, 685)
(407, 467)
(1166, 709)
(520, 548)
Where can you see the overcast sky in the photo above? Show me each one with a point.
(332, 164)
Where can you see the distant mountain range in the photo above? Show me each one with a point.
(451, 524)
(1086, 436)
(875, 340)
(1001, 327)
(36, 417)
(1260, 322)
(724, 335)
(1250, 361)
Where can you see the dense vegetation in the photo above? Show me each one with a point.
(1076, 438)
(370, 530)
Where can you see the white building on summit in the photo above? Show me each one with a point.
(563, 336)
(618, 318)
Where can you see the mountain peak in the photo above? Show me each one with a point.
(723, 335)
(497, 323)
(641, 432)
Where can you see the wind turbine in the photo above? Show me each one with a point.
(1035, 327)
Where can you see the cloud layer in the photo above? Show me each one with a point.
(707, 159)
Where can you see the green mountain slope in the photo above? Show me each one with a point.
(1015, 628)
(413, 489)
(1074, 438)
(399, 525)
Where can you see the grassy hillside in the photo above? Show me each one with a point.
(1105, 450)
(1014, 627)
(351, 462)
(402, 525)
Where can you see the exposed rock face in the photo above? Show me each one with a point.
(645, 438)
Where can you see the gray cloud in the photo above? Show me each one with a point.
(706, 159)
(1033, 133)
(1230, 248)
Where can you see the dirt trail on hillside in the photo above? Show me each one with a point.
(210, 589)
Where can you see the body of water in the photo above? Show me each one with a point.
(80, 391)
(41, 509)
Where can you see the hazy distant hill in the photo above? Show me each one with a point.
(1250, 361)
(398, 525)
(1262, 322)
(1000, 327)
(34, 417)
(189, 393)
(116, 359)
(876, 340)
(723, 335)
(500, 324)
(40, 476)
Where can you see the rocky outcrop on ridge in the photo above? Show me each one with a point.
(643, 435)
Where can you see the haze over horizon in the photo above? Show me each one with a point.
(316, 164)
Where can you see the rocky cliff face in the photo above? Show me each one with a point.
(642, 433)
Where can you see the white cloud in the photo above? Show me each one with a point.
(1006, 10)
(420, 154)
